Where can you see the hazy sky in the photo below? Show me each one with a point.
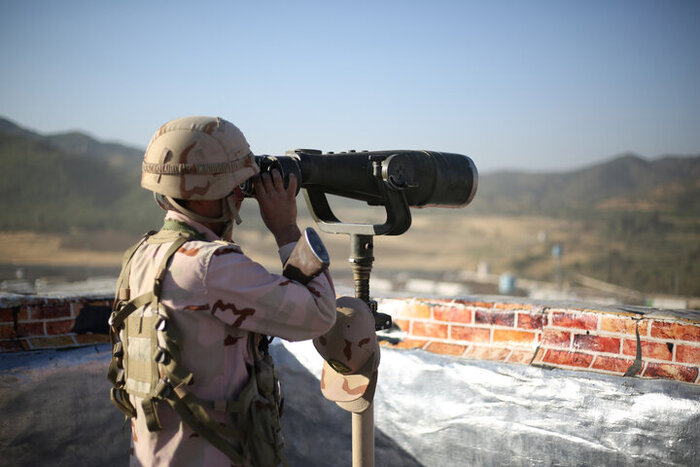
(522, 84)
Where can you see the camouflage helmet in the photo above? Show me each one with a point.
(197, 158)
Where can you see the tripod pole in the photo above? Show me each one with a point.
(362, 249)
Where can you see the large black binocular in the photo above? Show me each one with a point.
(393, 179)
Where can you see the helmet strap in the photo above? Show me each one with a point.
(231, 203)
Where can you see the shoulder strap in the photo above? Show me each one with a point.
(123, 280)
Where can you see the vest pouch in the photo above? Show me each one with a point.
(259, 418)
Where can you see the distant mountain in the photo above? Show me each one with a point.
(116, 154)
(58, 182)
(77, 143)
(625, 182)
(11, 128)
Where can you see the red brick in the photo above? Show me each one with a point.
(597, 343)
(560, 357)
(53, 341)
(7, 315)
(51, 310)
(406, 344)
(466, 333)
(446, 349)
(514, 306)
(625, 325)
(670, 371)
(59, 327)
(678, 331)
(495, 318)
(552, 338)
(521, 356)
(452, 314)
(415, 310)
(30, 329)
(513, 337)
(403, 324)
(481, 352)
(11, 346)
(84, 339)
(7, 331)
(688, 354)
(23, 314)
(655, 350)
(528, 321)
(427, 329)
(618, 365)
(585, 321)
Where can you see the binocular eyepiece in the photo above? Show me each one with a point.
(426, 178)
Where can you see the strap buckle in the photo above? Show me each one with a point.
(118, 350)
(163, 389)
(162, 324)
(162, 356)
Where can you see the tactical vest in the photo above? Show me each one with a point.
(146, 363)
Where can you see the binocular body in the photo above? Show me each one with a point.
(427, 178)
(393, 179)
(396, 180)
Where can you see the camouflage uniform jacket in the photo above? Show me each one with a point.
(219, 297)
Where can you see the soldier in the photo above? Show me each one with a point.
(190, 364)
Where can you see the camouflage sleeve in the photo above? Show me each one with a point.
(244, 294)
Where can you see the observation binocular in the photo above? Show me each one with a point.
(393, 179)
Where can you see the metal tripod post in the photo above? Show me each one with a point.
(362, 250)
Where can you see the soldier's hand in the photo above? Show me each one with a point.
(278, 206)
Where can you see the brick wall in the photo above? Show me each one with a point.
(580, 338)
(583, 338)
(49, 323)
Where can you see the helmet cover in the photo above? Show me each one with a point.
(197, 158)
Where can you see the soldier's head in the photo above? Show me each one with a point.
(198, 161)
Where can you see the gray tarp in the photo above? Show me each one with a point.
(430, 410)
